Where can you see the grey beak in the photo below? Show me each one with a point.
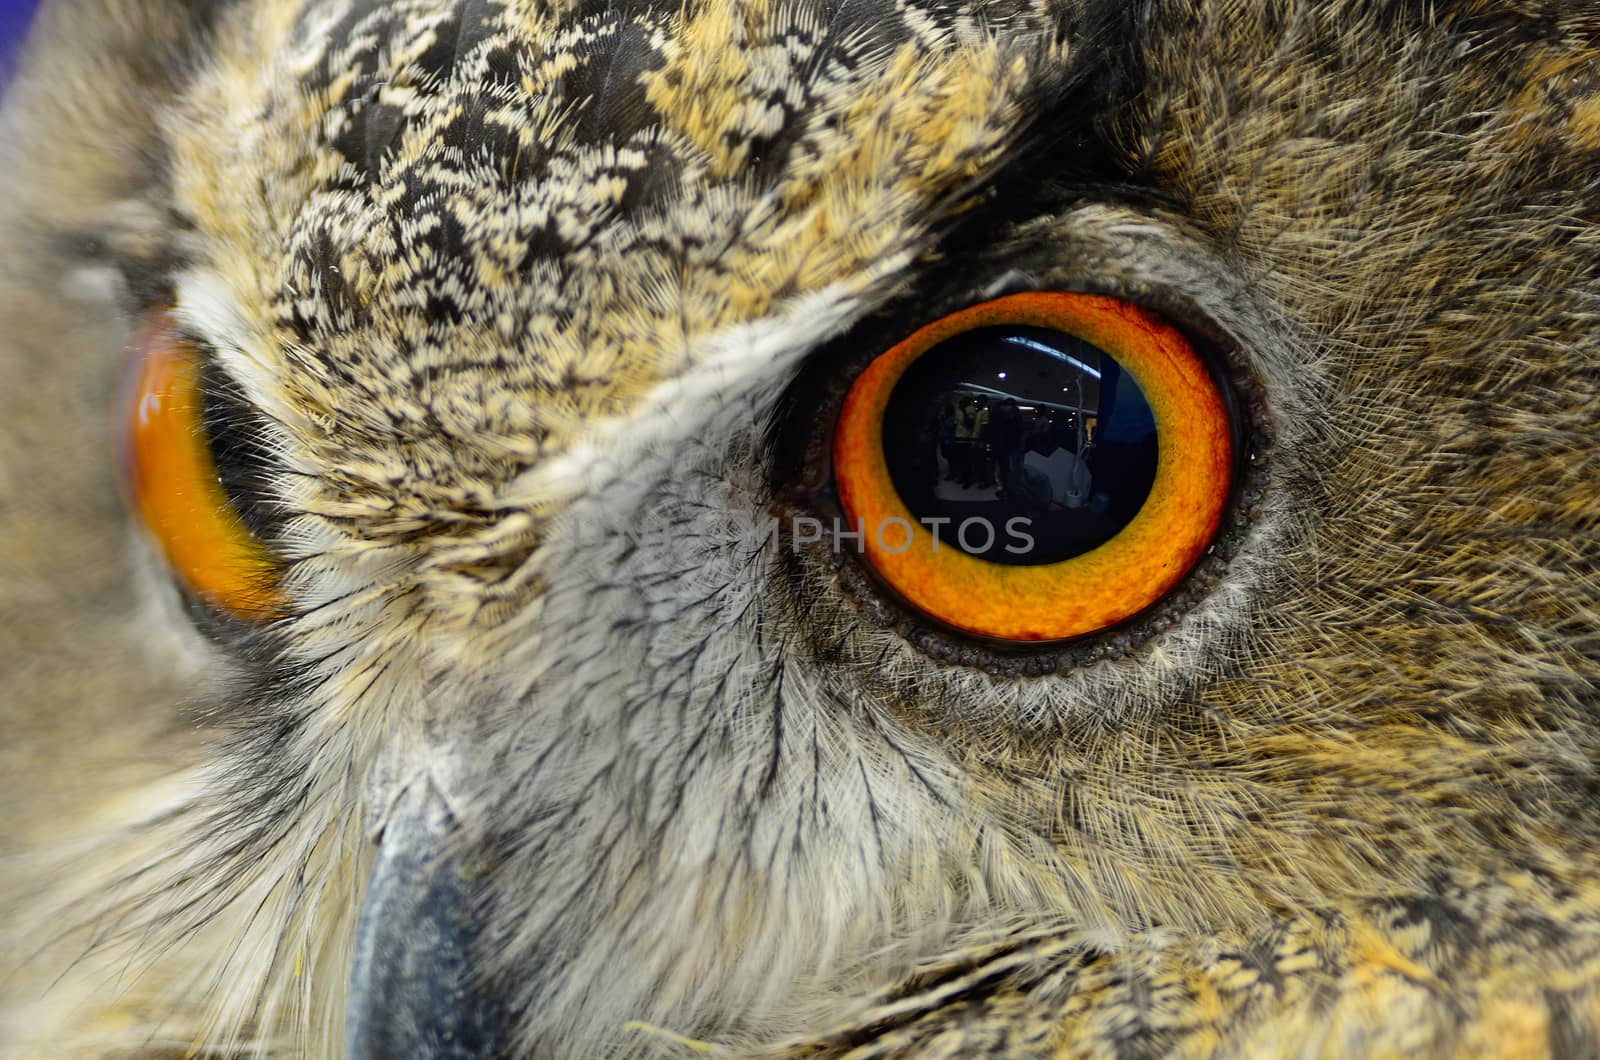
(411, 985)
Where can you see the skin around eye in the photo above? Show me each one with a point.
(172, 485)
(1037, 467)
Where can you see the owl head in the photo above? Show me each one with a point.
(800, 529)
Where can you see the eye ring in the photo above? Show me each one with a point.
(1088, 592)
(171, 483)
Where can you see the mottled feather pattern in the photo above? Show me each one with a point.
(516, 298)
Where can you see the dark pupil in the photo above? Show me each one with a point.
(1019, 433)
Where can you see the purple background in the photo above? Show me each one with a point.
(14, 15)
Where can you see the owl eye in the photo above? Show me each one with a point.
(1036, 467)
(172, 482)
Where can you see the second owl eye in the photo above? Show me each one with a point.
(173, 483)
(1036, 467)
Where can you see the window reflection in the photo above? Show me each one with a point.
(1008, 422)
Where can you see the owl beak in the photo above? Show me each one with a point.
(412, 991)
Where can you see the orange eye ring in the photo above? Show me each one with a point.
(1087, 592)
(172, 483)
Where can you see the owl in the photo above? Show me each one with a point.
(800, 528)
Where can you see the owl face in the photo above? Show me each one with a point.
(505, 384)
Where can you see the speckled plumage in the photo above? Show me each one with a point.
(525, 299)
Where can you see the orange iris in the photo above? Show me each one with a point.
(1087, 592)
(173, 485)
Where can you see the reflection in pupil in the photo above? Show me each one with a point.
(1020, 445)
